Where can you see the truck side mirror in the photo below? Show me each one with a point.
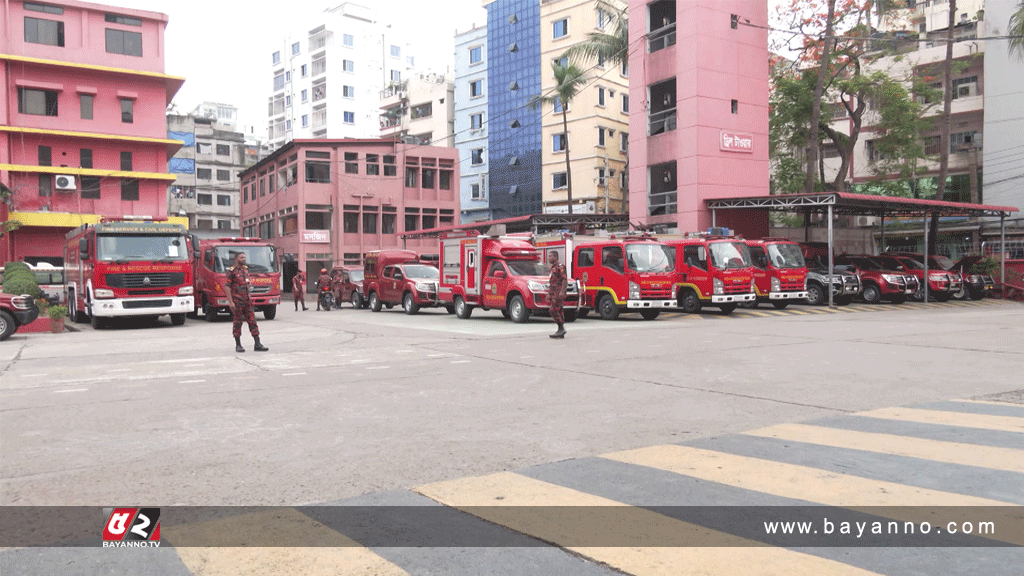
(83, 248)
(195, 246)
(499, 274)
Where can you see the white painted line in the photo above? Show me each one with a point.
(32, 375)
(294, 374)
(190, 381)
(461, 361)
(377, 367)
(66, 391)
(526, 356)
(131, 385)
(13, 393)
(360, 360)
(437, 355)
(120, 370)
(179, 360)
(403, 351)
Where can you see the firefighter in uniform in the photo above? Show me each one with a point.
(237, 291)
(324, 281)
(556, 293)
(299, 290)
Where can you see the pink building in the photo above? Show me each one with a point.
(327, 202)
(83, 133)
(700, 129)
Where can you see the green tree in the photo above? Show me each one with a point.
(611, 44)
(569, 80)
(1015, 30)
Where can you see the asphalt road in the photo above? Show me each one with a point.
(353, 406)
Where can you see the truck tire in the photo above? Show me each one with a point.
(607, 308)
(815, 295)
(409, 304)
(209, 312)
(962, 294)
(178, 319)
(780, 305)
(583, 313)
(462, 310)
(871, 294)
(97, 322)
(517, 310)
(7, 325)
(449, 308)
(689, 302)
(943, 296)
(270, 312)
(77, 316)
(977, 295)
(357, 300)
(727, 308)
(650, 313)
(570, 315)
(374, 302)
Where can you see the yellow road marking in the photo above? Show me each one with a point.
(318, 549)
(991, 403)
(499, 498)
(797, 312)
(990, 457)
(961, 419)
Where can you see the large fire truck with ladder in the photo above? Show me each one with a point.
(125, 268)
(213, 259)
(712, 269)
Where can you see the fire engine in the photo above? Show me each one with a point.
(617, 273)
(122, 268)
(497, 272)
(215, 257)
(712, 269)
(399, 277)
(780, 273)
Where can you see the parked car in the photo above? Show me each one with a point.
(15, 312)
(974, 286)
(941, 284)
(844, 281)
(350, 288)
(878, 282)
(399, 277)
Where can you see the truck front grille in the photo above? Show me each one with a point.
(145, 280)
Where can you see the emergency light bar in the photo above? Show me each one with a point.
(718, 231)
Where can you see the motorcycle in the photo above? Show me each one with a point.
(326, 298)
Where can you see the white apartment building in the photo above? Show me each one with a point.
(471, 123)
(325, 79)
(223, 114)
(419, 110)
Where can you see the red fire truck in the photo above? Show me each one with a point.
(617, 273)
(399, 277)
(712, 269)
(124, 268)
(780, 273)
(210, 266)
(497, 272)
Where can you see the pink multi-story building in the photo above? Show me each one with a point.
(83, 132)
(327, 202)
(700, 129)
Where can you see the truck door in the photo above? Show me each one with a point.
(495, 285)
(206, 273)
(387, 284)
(397, 285)
(762, 276)
(695, 263)
(469, 269)
(612, 270)
(583, 270)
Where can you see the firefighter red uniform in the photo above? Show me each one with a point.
(237, 286)
(299, 290)
(556, 294)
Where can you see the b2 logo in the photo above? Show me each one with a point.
(132, 525)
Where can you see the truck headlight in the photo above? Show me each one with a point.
(102, 293)
(424, 287)
(535, 286)
(186, 291)
(634, 291)
(892, 278)
(938, 277)
(776, 284)
(719, 286)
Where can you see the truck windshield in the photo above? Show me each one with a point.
(149, 248)
(785, 256)
(910, 264)
(421, 272)
(865, 264)
(526, 268)
(940, 261)
(356, 275)
(259, 259)
(648, 257)
(729, 255)
(888, 262)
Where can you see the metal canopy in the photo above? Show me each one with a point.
(860, 204)
(532, 223)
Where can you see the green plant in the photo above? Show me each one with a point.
(12, 266)
(57, 312)
(43, 304)
(21, 283)
(987, 265)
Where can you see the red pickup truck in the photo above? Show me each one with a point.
(15, 312)
(878, 282)
(399, 277)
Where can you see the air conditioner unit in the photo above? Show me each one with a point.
(63, 182)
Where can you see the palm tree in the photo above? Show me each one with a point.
(602, 46)
(569, 79)
(1015, 31)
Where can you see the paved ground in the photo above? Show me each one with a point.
(355, 408)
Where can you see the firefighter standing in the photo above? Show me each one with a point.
(324, 281)
(237, 291)
(556, 293)
(299, 290)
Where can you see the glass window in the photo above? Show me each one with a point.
(37, 7)
(223, 175)
(349, 65)
(296, 48)
(45, 184)
(611, 257)
(37, 102)
(276, 57)
(477, 156)
(476, 121)
(126, 161)
(585, 257)
(476, 55)
(558, 142)
(91, 187)
(204, 173)
(600, 96)
(648, 257)
(561, 28)
(476, 88)
(118, 19)
(348, 39)
(349, 91)
(129, 189)
(85, 102)
(40, 31)
(350, 222)
(396, 52)
(305, 95)
(85, 158)
(351, 162)
(45, 156)
(123, 42)
(350, 117)
(127, 111)
(223, 200)
(318, 172)
(369, 223)
(559, 180)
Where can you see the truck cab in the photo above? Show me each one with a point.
(879, 283)
(393, 277)
(780, 272)
(216, 256)
(712, 269)
(15, 312)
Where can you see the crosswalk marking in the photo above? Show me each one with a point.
(936, 450)
(317, 550)
(963, 419)
(498, 497)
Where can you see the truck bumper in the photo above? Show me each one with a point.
(116, 307)
(727, 298)
(787, 295)
(632, 304)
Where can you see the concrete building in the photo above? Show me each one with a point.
(326, 78)
(419, 110)
(325, 202)
(85, 133)
(207, 169)
(699, 126)
(471, 126)
(223, 114)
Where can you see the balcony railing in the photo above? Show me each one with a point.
(663, 121)
(661, 38)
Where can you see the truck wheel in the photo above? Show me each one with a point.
(977, 295)
(97, 322)
(961, 294)
(462, 310)
(449, 308)
(7, 325)
(270, 312)
(689, 302)
(77, 316)
(505, 314)
(374, 302)
(918, 296)
(583, 313)
(178, 319)
(943, 296)
(780, 305)
(209, 312)
(871, 294)
(650, 313)
(607, 308)
(815, 295)
(727, 309)
(517, 310)
(409, 304)
(570, 316)
(357, 300)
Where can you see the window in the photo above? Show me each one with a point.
(350, 222)
(428, 178)
(348, 91)
(91, 187)
(37, 102)
(304, 70)
(223, 200)
(396, 76)
(85, 102)
(223, 224)
(124, 42)
(348, 65)
(85, 158)
(305, 120)
(130, 189)
(126, 161)
(388, 223)
(411, 61)
(204, 147)
(40, 31)
(965, 87)
(624, 71)
(351, 163)
(320, 65)
(585, 257)
(278, 82)
(45, 156)
(396, 52)
(350, 117)
(602, 18)
(318, 220)
(559, 180)
(600, 136)
(204, 173)
(558, 142)
(477, 156)
(390, 169)
(962, 140)
(625, 103)
(223, 175)
(445, 182)
(37, 7)
(127, 111)
(474, 191)
(560, 28)
(422, 111)
(320, 91)
(476, 121)
(266, 229)
(412, 219)
(288, 125)
(662, 185)
(411, 177)
(288, 77)
(476, 88)
(369, 223)
(611, 257)
(476, 55)
(318, 172)
(305, 95)
(125, 20)
(45, 184)
(295, 49)
(558, 106)
(263, 187)
(348, 40)
(223, 150)
(602, 180)
(372, 165)
(695, 256)
(275, 58)
(600, 96)
(600, 61)
(735, 107)
(623, 141)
